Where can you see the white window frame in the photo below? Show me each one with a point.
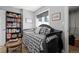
(41, 13)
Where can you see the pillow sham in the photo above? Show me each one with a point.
(47, 31)
(44, 31)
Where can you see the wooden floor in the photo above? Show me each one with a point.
(75, 48)
(2, 49)
(72, 49)
(24, 50)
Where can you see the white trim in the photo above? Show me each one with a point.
(43, 11)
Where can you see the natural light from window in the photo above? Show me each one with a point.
(42, 18)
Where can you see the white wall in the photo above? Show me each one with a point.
(74, 21)
(10, 8)
(2, 28)
(61, 24)
(30, 15)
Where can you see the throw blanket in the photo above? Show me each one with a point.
(34, 42)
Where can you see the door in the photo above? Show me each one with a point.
(2, 28)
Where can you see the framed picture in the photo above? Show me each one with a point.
(56, 16)
(28, 20)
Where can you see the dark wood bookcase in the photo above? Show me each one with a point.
(13, 26)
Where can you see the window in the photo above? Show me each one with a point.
(42, 18)
(46, 18)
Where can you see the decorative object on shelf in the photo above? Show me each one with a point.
(14, 35)
(56, 16)
(8, 35)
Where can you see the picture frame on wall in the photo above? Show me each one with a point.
(28, 20)
(56, 16)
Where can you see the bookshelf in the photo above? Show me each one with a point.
(13, 26)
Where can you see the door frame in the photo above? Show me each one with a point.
(66, 28)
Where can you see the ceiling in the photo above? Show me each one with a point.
(30, 8)
(34, 8)
(73, 7)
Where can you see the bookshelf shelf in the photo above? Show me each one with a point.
(13, 25)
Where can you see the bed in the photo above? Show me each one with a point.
(43, 39)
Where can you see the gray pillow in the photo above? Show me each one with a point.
(37, 30)
(47, 31)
